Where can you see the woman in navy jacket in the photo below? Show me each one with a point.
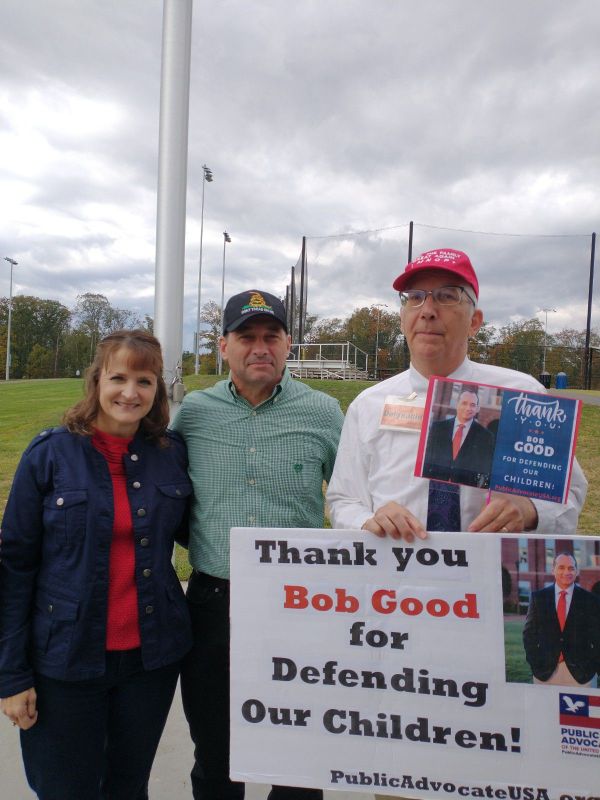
(93, 621)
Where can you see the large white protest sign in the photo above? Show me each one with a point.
(380, 666)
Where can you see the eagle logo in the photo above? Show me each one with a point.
(572, 706)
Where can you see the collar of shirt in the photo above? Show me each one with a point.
(466, 427)
(278, 388)
(419, 383)
(568, 596)
(558, 590)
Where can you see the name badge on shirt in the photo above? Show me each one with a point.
(402, 413)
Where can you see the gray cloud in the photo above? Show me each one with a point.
(316, 118)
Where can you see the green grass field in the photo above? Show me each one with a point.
(517, 668)
(26, 408)
(588, 455)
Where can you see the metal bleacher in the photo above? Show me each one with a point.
(340, 361)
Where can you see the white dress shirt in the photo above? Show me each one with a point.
(374, 466)
(568, 597)
(466, 426)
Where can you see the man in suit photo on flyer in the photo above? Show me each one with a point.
(561, 635)
(459, 449)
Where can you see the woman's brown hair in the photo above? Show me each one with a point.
(144, 354)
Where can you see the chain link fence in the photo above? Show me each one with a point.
(568, 363)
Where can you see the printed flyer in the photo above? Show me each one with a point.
(377, 666)
(505, 440)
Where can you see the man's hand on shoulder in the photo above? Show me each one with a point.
(396, 521)
(506, 513)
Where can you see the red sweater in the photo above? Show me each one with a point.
(122, 624)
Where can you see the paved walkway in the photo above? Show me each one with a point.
(579, 394)
(170, 775)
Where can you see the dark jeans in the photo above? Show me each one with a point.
(98, 738)
(205, 692)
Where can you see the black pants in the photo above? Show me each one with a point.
(97, 738)
(205, 692)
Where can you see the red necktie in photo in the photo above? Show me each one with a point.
(457, 441)
(561, 609)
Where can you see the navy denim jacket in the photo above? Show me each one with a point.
(54, 557)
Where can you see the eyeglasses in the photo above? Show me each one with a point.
(443, 295)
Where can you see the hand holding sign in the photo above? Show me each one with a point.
(505, 514)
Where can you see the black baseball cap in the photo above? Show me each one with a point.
(247, 305)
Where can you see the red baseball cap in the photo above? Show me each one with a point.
(449, 260)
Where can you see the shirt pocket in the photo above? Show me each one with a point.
(53, 625)
(177, 491)
(299, 470)
(65, 515)
(172, 501)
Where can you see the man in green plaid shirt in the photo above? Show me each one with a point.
(260, 446)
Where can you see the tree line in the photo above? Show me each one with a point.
(49, 340)
(519, 345)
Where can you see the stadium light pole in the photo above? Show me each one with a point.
(545, 311)
(226, 239)
(12, 263)
(378, 306)
(207, 177)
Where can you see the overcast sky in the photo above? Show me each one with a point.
(317, 118)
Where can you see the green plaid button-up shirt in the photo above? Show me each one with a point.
(255, 466)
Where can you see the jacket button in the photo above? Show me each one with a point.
(135, 457)
(60, 501)
(144, 542)
(50, 608)
(141, 512)
(136, 484)
(178, 492)
(149, 609)
(146, 573)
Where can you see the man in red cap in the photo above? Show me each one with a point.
(373, 485)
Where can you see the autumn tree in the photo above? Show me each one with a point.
(210, 315)
(480, 344)
(567, 354)
(328, 330)
(90, 316)
(369, 327)
(94, 316)
(520, 346)
(40, 362)
(121, 319)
